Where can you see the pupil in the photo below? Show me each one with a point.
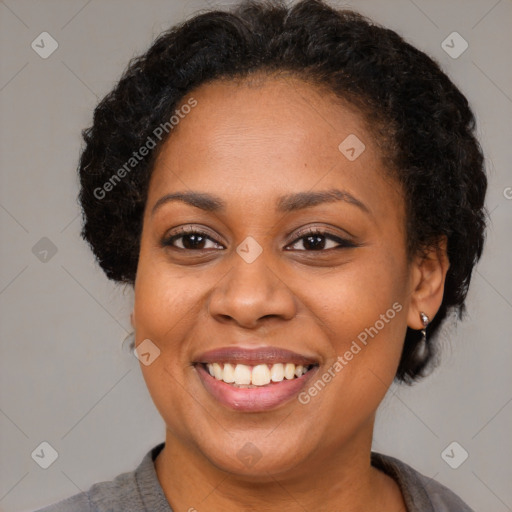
(315, 242)
(193, 241)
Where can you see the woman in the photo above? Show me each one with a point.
(296, 195)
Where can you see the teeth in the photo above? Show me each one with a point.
(259, 375)
(289, 371)
(229, 373)
(242, 374)
(277, 372)
(217, 371)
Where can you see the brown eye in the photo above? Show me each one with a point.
(320, 241)
(191, 240)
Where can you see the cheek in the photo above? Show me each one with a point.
(354, 297)
(166, 306)
(366, 350)
(163, 298)
(362, 308)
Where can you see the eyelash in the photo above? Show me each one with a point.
(344, 243)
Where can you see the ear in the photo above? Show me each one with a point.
(428, 277)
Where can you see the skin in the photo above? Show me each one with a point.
(249, 143)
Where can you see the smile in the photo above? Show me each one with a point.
(256, 379)
(244, 376)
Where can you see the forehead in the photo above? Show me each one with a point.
(259, 138)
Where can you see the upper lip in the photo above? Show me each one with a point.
(254, 356)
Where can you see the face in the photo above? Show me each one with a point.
(261, 236)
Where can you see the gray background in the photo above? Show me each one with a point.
(64, 376)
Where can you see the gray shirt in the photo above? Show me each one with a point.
(140, 490)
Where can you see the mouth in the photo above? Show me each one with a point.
(246, 377)
(254, 380)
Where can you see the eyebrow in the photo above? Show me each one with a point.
(285, 204)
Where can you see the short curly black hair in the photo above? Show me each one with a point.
(413, 109)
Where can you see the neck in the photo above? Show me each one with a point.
(339, 478)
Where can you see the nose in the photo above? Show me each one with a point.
(251, 294)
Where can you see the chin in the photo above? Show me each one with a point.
(257, 456)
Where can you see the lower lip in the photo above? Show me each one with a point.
(253, 399)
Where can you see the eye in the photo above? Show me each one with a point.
(191, 239)
(318, 240)
(312, 240)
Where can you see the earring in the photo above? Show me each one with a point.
(425, 320)
(421, 349)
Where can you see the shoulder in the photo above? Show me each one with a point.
(78, 503)
(101, 497)
(420, 492)
(131, 491)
